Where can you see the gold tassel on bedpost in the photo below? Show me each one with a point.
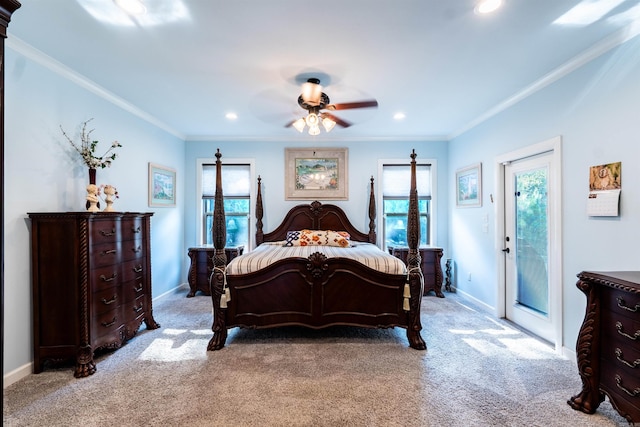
(414, 263)
(217, 283)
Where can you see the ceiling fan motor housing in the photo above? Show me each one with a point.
(310, 104)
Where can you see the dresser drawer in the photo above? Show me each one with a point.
(620, 328)
(132, 249)
(624, 303)
(133, 309)
(132, 228)
(132, 269)
(105, 300)
(105, 254)
(107, 323)
(104, 277)
(104, 231)
(132, 290)
(622, 384)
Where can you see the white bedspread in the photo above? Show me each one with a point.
(270, 252)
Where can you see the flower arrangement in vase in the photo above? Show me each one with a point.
(87, 150)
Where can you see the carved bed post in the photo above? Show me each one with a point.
(216, 281)
(259, 214)
(372, 216)
(414, 262)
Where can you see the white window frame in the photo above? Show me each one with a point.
(252, 196)
(433, 203)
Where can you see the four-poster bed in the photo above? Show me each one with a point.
(320, 285)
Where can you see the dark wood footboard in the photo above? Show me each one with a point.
(317, 293)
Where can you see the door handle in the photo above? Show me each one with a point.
(507, 250)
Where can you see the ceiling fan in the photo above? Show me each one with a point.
(315, 101)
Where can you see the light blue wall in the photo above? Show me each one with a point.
(363, 157)
(43, 174)
(596, 111)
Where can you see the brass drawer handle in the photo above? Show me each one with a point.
(137, 268)
(109, 252)
(106, 325)
(136, 250)
(108, 233)
(136, 290)
(620, 358)
(136, 230)
(138, 309)
(634, 393)
(622, 304)
(108, 279)
(111, 301)
(624, 334)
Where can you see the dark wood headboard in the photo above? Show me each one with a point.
(315, 216)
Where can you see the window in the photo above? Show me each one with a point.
(396, 183)
(236, 187)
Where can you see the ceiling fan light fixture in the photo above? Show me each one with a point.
(314, 130)
(328, 124)
(299, 125)
(312, 120)
(312, 92)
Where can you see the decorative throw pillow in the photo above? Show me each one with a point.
(317, 238)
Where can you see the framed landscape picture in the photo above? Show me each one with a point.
(469, 186)
(316, 174)
(162, 186)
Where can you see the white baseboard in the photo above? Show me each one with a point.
(16, 375)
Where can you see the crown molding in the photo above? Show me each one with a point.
(25, 49)
(616, 39)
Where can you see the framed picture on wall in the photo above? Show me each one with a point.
(316, 174)
(469, 186)
(162, 186)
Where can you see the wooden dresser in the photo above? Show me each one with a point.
(91, 279)
(202, 266)
(608, 347)
(431, 268)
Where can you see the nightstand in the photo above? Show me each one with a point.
(431, 268)
(202, 266)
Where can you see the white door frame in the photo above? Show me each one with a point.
(553, 145)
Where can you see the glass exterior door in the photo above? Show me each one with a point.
(527, 245)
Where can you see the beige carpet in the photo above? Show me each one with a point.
(477, 371)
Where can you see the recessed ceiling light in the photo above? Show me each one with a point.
(487, 6)
(132, 7)
(399, 116)
(231, 116)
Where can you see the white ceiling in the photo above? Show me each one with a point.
(186, 63)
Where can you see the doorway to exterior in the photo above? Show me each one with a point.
(529, 239)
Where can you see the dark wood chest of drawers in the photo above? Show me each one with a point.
(202, 266)
(91, 279)
(608, 348)
(431, 267)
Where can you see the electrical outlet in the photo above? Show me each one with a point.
(469, 277)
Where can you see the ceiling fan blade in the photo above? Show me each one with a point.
(351, 105)
(339, 121)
